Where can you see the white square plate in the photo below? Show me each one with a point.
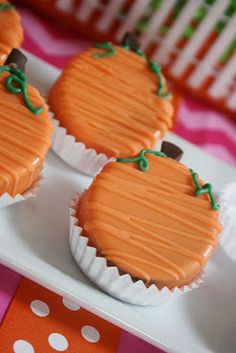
(34, 242)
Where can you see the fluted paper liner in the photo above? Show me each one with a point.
(227, 203)
(108, 278)
(85, 160)
(7, 200)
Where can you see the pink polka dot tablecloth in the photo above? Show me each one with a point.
(50, 323)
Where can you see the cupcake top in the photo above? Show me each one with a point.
(10, 29)
(113, 99)
(25, 133)
(151, 217)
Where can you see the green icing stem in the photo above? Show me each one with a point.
(155, 68)
(141, 159)
(207, 188)
(110, 51)
(6, 6)
(16, 83)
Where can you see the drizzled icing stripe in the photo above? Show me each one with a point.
(109, 229)
(164, 208)
(142, 226)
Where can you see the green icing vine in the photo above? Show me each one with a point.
(6, 6)
(16, 83)
(207, 188)
(141, 159)
(143, 165)
(110, 51)
(155, 68)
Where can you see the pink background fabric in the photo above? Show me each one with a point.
(196, 122)
(8, 284)
(132, 344)
(208, 129)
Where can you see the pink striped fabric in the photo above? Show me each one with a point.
(207, 128)
(48, 41)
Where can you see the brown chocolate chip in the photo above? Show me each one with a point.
(131, 41)
(16, 59)
(171, 150)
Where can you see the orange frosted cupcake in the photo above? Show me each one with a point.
(113, 100)
(10, 29)
(151, 218)
(26, 129)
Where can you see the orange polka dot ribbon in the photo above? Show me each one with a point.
(39, 321)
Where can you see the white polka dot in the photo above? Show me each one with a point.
(22, 346)
(90, 334)
(39, 308)
(70, 305)
(58, 342)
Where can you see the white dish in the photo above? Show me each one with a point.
(34, 242)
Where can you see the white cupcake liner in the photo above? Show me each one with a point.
(8, 200)
(85, 160)
(227, 201)
(108, 278)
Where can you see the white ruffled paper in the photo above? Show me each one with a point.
(108, 278)
(85, 160)
(227, 202)
(7, 200)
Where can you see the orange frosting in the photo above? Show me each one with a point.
(150, 224)
(110, 104)
(11, 32)
(24, 139)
